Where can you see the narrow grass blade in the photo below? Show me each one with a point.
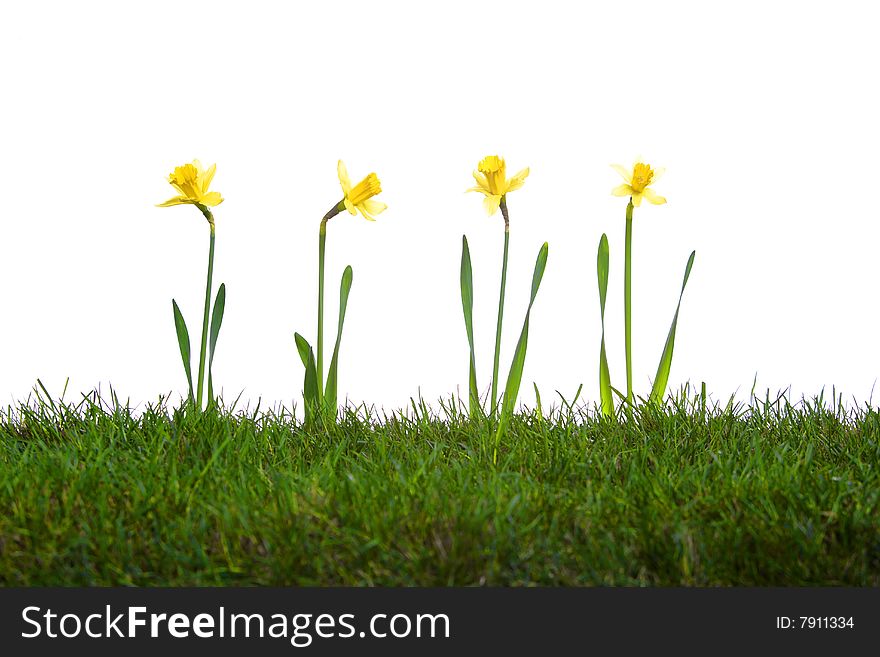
(703, 401)
(183, 343)
(514, 377)
(605, 395)
(310, 383)
(570, 405)
(660, 381)
(538, 408)
(216, 321)
(330, 390)
(467, 306)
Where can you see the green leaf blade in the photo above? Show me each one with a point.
(216, 322)
(602, 259)
(665, 365)
(310, 382)
(605, 395)
(184, 344)
(514, 377)
(602, 267)
(467, 306)
(310, 390)
(538, 274)
(217, 317)
(330, 392)
(303, 348)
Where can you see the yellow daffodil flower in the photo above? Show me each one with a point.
(493, 183)
(360, 197)
(192, 182)
(637, 183)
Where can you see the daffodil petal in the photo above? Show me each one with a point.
(344, 180)
(491, 203)
(476, 189)
(349, 206)
(208, 177)
(374, 207)
(212, 199)
(177, 200)
(625, 173)
(482, 183)
(637, 199)
(622, 190)
(518, 180)
(658, 173)
(653, 197)
(366, 213)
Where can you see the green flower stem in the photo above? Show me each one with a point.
(322, 241)
(204, 346)
(494, 400)
(627, 302)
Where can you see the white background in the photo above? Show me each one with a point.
(765, 115)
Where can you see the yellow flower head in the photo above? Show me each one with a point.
(360, 197)
(637, 183)
(493, 183)
(192, 182)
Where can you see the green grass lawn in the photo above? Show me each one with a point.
(773, 494)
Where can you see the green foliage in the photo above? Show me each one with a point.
(311, 391)
(96, 493)
(183, 343)
(200, 384)
(330, 391)
(514, 377)
(216, 322)
(665, 364)
(605, 394)
(493, 399)
(661, 380)
(320, 405)
(320, 402)
(216, 319)
(467, 306)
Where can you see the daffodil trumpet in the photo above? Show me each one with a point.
(492, 182)
(320, 399)
(636, 186)
(192, 183)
